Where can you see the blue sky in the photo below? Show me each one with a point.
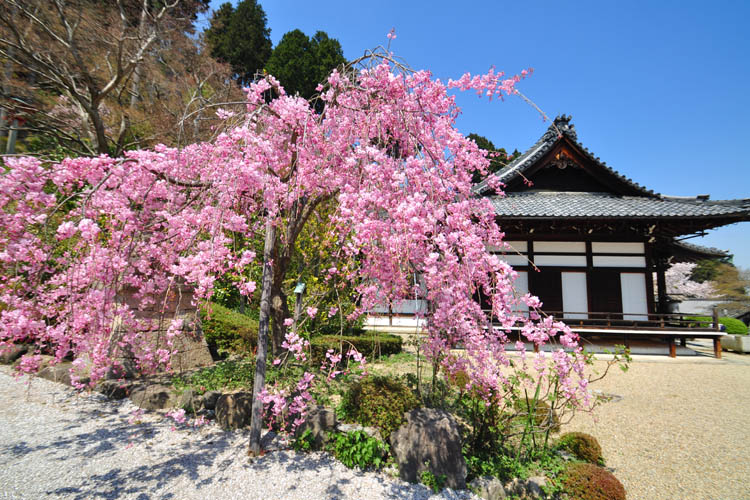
(658, 90)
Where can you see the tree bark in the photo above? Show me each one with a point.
(256, 422)
(279, 306)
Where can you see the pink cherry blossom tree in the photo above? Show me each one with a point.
(679, 282)
(75, 236)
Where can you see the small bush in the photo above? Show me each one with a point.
(584, 446)
(379, 402)
(733, 326)
(229, 332)
(371, 345)
(357, 449)
(304, 442)
(435, 483)
(584, 481)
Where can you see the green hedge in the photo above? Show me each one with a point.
(377, 401)
(229, 332)
(733, 325)
(370, 344)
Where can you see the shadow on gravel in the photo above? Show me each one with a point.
(324, 465)
(106, 445)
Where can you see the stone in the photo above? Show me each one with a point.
(57, 373)
(489, 488)
(370, 431)
(516, 487)
(189, 348)
(126, 369)
(114, 389)
(320, 421)
(11, 353)
(190, 401)
(429, 440)
(210, 398)
(233, 411)
(535, 486)
(153, 396)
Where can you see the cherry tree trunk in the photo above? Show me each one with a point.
(256, 422)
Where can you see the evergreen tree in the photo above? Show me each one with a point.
(498, 161)
(239, 37)
(301, 63)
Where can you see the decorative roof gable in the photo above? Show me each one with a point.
(561, 137)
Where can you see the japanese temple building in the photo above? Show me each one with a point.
(587, 241)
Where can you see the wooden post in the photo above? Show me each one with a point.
(256, 421)
(672, 348)
(717, 347)
(536, 347)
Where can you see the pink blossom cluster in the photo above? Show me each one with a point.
(295, 345)
(287, 408)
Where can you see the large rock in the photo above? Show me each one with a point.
(429, 440)
(320, 421)
(11, 353)
(489, 488)
(531, 489)
(190, 401)
(57, 373)
(189, 348)
(233, 411)
(153, 396)
(114, 389)
(210, 398)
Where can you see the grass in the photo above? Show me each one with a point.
(224, 375)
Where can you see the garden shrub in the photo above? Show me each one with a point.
(369, 344)
(584, 481)
(584, 446)
(228, 332)
(379, 402)
(435, 483)
(733, 325)
(358, 449)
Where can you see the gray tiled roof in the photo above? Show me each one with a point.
(560, 127)
(583, 204)
(700, 249)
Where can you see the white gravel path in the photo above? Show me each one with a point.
(55, 443)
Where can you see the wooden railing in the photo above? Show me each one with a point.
(637, 321)
(668, 327)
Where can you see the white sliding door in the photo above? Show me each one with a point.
(574, 295)
(634, 302)
(521, 285)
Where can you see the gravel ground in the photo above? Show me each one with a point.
(680, 430)
(57, 444)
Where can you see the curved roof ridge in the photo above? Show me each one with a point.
(560, 126)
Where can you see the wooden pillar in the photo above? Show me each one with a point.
(672, 348)
(717, 347)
